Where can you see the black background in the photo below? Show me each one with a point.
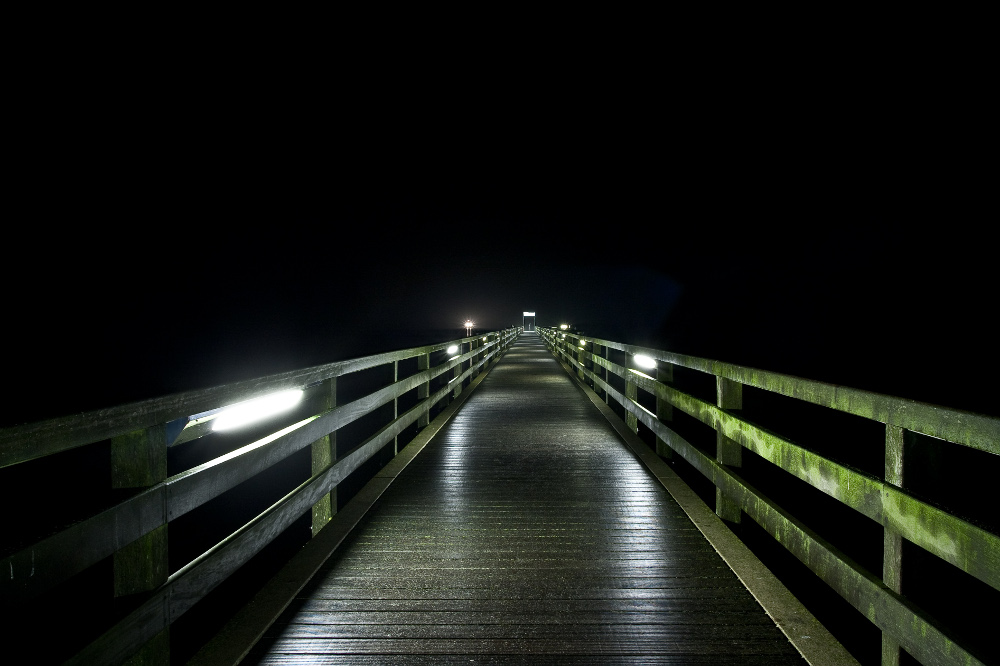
(186, 218)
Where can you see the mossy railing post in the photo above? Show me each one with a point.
(473, 346)
(324, 454)
(664, 410)
(632, 393)
(423, 390)
(395, 406)
(600, 371)
(729, 396)
(580, 355)
(467, 365)
(139, 460)
(456, 372)
(892, 549)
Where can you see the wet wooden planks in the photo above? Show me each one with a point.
(525, 533)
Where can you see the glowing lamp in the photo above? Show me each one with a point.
(644, 361)
(243, 413)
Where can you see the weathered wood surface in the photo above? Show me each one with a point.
(191, 583)
(963, 544)
(910, 626)
(134, 530)
(526, 531)
(955, 425)
(66, 553)
(35, 440)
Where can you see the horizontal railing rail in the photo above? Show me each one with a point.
(132, 532)
(966, 546)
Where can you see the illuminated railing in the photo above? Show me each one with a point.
(141, 439)
(647, 375)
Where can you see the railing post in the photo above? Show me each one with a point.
(729, 396)
(632, 393)
(139, 460)
(456, 372)
(664, 410)
(395, 406)
(467, 365)
(423, 390)
(581, 344)
(324, 454)
(892, 549)
(473, 346)
(599, 371)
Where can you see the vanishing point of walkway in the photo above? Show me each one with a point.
(526, 532)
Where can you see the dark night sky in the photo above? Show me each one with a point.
(841, 239)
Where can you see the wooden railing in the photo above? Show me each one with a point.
(648, 398)
(166, 462)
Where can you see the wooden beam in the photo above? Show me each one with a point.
(35, 440)
(139, 460)
(729, 397)
(954, 425)
(892, 550)
(664, 410)
(323, 455)
(958, 542)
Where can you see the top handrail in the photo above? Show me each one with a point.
(976, 431)
(26, 442)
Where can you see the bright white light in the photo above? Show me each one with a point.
(257, 409)
(644, 361)
(564, 326)
(484, 339)
(451, 350)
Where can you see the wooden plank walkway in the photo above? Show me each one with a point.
(525, 532)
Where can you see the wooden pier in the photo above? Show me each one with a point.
(517, 497)
(526, 532)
